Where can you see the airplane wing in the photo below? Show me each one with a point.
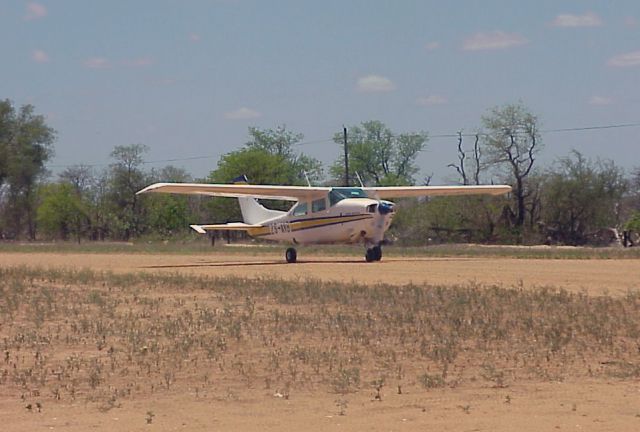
(416, 191)
(234, 226)
(286, 193)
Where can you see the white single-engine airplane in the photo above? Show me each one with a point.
(320, 215)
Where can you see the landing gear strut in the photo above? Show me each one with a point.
(291, 255)
(373, 254)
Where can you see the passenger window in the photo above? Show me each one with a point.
(301, 209)
(318, 205)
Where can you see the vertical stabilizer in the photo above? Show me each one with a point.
(252, 211)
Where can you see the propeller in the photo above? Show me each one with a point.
(384, 209)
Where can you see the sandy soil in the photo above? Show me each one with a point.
(593, 405)
(593, 276)
(585, 406)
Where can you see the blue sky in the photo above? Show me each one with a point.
(187, 77)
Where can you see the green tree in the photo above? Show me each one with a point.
(450, 219)
(511, 145)
(580, 197)
(280, 142)
(269, 157)
(101, 208)
(26, 144)
(633, 223)
(91, 189)
(81, 177)
(127, 178)
(62, 212)
(378, 155)
(168, 214)
(260, 167)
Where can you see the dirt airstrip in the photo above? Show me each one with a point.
(592, 276)
(578, 403)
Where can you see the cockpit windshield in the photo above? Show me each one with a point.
(338, 194)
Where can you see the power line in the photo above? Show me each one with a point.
(544, 131)
(586, 128)
(178, 159)
(318, 141)
(314, 142)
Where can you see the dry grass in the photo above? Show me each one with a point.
(200, 245)
(104, 338)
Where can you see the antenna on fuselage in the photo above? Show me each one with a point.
(359, 179)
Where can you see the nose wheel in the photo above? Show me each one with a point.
(373, 254)
(291, 255)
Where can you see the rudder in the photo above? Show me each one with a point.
(252, 211)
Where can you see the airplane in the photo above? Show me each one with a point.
(320, 215)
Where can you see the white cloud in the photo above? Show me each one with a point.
(589, 19)
(35, 11)
(431, 100)
(627, 59)
(493, 41)
(431, 46)
(375, 84)
(243, 113)
(97, 63)
(139, 62)
(631, 22)
(600, 100)
(194, 37)
(165, 81)
(39, 56)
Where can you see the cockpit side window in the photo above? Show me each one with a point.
(300, 209)
(338, 194)
(335, 197)
(318, 205)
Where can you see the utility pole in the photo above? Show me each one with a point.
(346, 158)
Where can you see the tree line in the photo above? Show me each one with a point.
(574, 201)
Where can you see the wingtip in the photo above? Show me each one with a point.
(150, 188)
(501, 189)
(198, 229)
(146, 190)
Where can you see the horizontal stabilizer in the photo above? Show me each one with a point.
(235, 226)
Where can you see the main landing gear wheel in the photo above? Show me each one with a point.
(291, 255)
(373, 254)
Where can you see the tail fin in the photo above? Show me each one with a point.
(252, 211)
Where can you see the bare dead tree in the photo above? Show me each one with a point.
(512, 144)
(461, 157)
(427, 179)
(476, 159)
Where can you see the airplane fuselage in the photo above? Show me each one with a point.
(350, 220)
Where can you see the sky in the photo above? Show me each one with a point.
(188, 77)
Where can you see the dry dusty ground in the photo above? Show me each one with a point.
(583, 406)
(598, 404)
(593, 276)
